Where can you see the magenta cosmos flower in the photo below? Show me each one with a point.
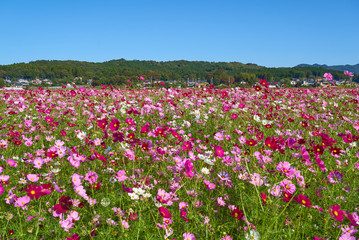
(164, 212)
(336, 213)
(219, 151)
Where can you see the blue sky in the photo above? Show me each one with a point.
(269, 33)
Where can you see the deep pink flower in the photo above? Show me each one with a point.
(33, 191)
(184, 214)
(102, 123)
(164, 212)
(114, 125)
(189, 168)
(219, 151)
(336, 213)
(304, 201)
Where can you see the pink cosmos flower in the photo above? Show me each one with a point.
(288, 186)
(241, 105)
(350, 74)
(167, 221)
(130, 154)
(328, 76)
(4, 178)
(209, 185)
(275, 191)
(256, 179)
(32, 177)
(80, 190)
(219, 151)
(38, 162)
(351, 230)
(92, 201)
(125, 224)
(91, 177)
(188, 236)
(22, 201)
(73, 215)
(121, 175)
(76, 179)
(189, 168)
(183, 205)
(66, 224)
(346, 236)
(164, 212)
(285, 168)
(28, 143)
(221, 202)
(11, 162)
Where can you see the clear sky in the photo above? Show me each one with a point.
(272, 33)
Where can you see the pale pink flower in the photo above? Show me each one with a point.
(38, 163)
(183, 205)
(221, 202)
(275, 191)
(80, 190)
(188, 236)
(256, 179)
(32, 177)
(76, 179)
(346, 236)
(66, 224)
(28, 143)
(22, 201)
(125, 224)
(73, 215)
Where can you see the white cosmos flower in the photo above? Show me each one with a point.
(205, 170)
(138, 191)
(81, 135)
(147, 195)
(253, 235)
(208, 161)
(256, 118)
(133, 196)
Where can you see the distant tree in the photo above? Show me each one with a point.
(2, 83)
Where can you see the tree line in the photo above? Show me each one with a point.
(117, 72)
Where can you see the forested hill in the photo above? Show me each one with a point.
(350, 68)
(118, 71)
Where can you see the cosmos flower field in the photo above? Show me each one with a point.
(257, 163)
